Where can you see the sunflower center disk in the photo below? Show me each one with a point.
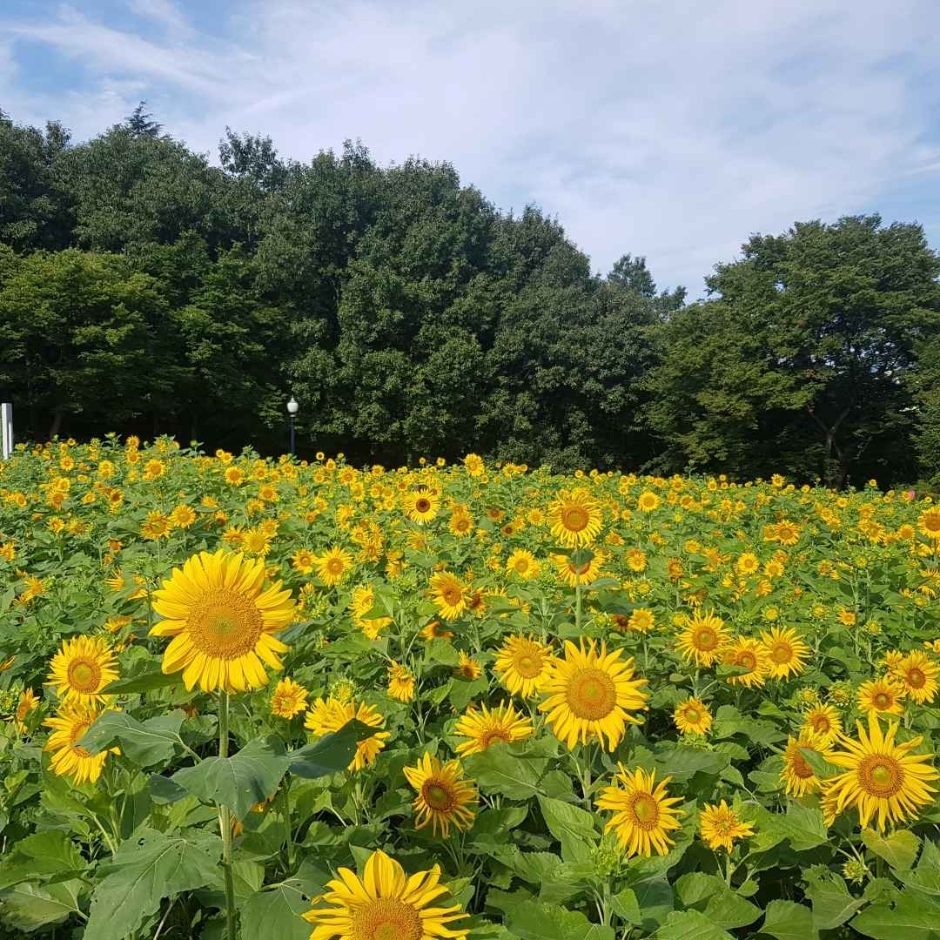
(77, 732)
(706, 639)
(915, 678)
(386, 919)
(422, 505)
(438, 797)
(880, 775)
(692, 716)
(781, 654)
(882, 700)
(84, 675)
(527, 666)
(591, 694)
(645, 811)
(225, 624)
(747, 661)
(574, 518)
(488, 737)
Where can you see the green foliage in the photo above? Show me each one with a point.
(410, 317)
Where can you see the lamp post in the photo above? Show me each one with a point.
(292, 408)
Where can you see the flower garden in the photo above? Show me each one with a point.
(253, 698)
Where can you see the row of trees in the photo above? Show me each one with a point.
(144, 290)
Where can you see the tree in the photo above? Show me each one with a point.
(140, 122)
(801, 355)
(75, 341)
(34, 211)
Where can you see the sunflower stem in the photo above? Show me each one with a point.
(577, 606)
(225, 824)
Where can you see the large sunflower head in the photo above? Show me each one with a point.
(704, 638)
(720, 826)
(385, 904)
(68, 727)
(884, 696)
(577, 568)
(824, 722)
(918, 676)
(401, 683)
(444, 797)
(883, 780)
(522, 665)
(421, 506)
(484, 727)
(575, 518)
(327, 716)
(786, 652)
(222, 619)
(644, 813)
(289, 699)
(449, 594)
(929, 522)
(592, 694)
(82, 668)
(692, 717)
(333, 565)
(750, 655)
(797, 775)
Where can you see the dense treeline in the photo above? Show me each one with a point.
(144, 290)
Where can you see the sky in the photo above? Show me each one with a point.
(672, 129)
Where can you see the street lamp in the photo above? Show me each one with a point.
(292, 408)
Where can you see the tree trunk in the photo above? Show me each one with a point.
(57, 416)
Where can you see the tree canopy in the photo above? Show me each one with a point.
(144, 289)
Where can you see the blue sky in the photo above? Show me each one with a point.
(670, 128)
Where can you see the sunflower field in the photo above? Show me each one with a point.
(248, 698)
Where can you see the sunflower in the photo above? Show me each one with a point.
(881, 779)
(822, 721)
(460, 524)
(719, 826)
(797, 777)
(575, 518)
(386, 904)
(327, 716)
(523, 564)
(642, 620)
(929, 522)
(333, 565)
(449, 594)
(786, 652)
(918, 675)
(435, 630)
(401, 683)
(82, 668)
(467, 667)
(485, 726)
(444, 797)
(644, 813)
(522, 665)
(884, 696)
(648, 501)
(69, 726)
(574, 570)
(422, 505)
(592, 693)
(704, 638)
(289, 699)
(222, 620)
(27, 702)
(692, 717)
(750, 654)
(303, 560)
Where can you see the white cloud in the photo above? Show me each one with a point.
(669, 129)
(164, 12)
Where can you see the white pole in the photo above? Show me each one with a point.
(6, 426)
